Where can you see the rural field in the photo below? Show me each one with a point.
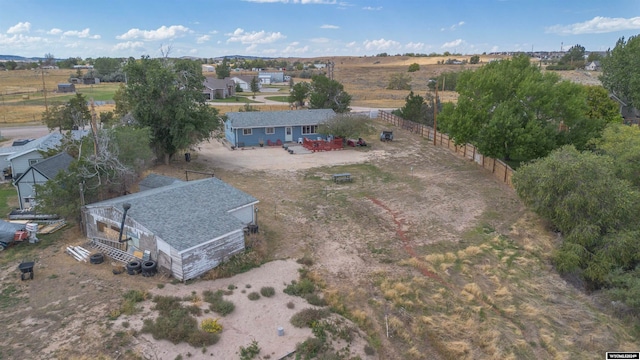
(423, 256)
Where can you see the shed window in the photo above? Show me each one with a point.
(269, 131)
(33, 161)
(309, 129)
(247, 131)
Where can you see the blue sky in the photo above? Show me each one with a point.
(309, 28)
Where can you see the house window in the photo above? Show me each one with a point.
(309, 129)
(247, 131)
(269, 131)
(33, 161)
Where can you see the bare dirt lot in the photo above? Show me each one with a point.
(424, 252)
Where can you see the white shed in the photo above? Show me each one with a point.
(189, 227)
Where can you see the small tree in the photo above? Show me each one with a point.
(475, 59)
(414, 67)
(299, 93)
(346, 126)
(255, 86)
(223, 70)
(328, 94)
(399, 81)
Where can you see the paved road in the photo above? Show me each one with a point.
(23, 132)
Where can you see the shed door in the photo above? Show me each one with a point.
(288, 134)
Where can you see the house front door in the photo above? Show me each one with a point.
(288, 134)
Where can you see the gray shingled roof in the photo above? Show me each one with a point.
(153, 181)
(46, 142)
(51, 166)
(185, 214)
(256, 119)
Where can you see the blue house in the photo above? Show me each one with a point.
(254, 127)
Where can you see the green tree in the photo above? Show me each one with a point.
(11, 65)
(594, 56)
(346, 126)
(72, 114)
(510, 110)
(223, 70)
(49, 59)
(399, 81)
(574, 57)
(328, 94)
(620, 71)
(414, 108)
(475, 59)
(299, 93)
(167, 97)
(595, 211)
(414, 67)
(107, 67)
(622, 143)
(601, 106)
(255, 86)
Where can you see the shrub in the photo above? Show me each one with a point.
(267, 291)
(305, 260)
(414, 67)
(217, 303)
(301, 288)
(250, 351)
(306, 317)
(211, 326)
(368, 350)
(253, 295)
(315, 299)
(291, 305)
(310, 348)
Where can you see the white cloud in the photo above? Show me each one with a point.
(320, 40)
(162, 33)
(54, 31)
(254, 37)
(213, 32)
(72, 45)
(351, 44)
(20, 40)
(293, 49)
(380, 44)
(453, 27)
(414, 46)
(202, 39)
(495, 48)
(452, 44)
(370, 8)
(129, 45)
(304, 2)
(597, 25)
(19, 28)
(327, 26)
(85, 34)
(193, 51)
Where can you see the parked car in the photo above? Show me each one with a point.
(386, 136)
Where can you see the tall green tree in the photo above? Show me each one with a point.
(167, 97)
(620, 70)
(223, 70)
(622, 144)
(70, 115)
(595, 211)
(414, 108)
(255, 86)
(574, 56)
(299, 93)
(510, 110)
(328, 94)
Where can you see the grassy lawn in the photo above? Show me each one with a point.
(284, 99)
(8, 196)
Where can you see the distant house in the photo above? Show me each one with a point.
(208, 68)
(271, 77)
(91, 81)
(188, 227)
(630, 114)
(66, 88)
(15, 160)
(244, 81)
(593, 66)
(218, 88)
(37, 174)
(250, 128)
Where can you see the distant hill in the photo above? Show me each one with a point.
(21, 58)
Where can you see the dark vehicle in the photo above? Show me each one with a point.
(386, 136)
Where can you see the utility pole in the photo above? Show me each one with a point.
(44, 91)
(435, 115)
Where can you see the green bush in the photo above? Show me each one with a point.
(306, 317)
(249, 352)
(253, 295)
(414, 67)
(267, 291)
(315, 299)
(300, 288)
(309, 349)
(217, 303)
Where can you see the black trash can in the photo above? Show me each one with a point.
(187, 157)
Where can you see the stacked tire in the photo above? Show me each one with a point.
(149, 268)
(134, 267)
(96, 259)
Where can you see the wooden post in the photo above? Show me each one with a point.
(435, 116)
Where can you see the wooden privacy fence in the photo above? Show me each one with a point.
(499, 169)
